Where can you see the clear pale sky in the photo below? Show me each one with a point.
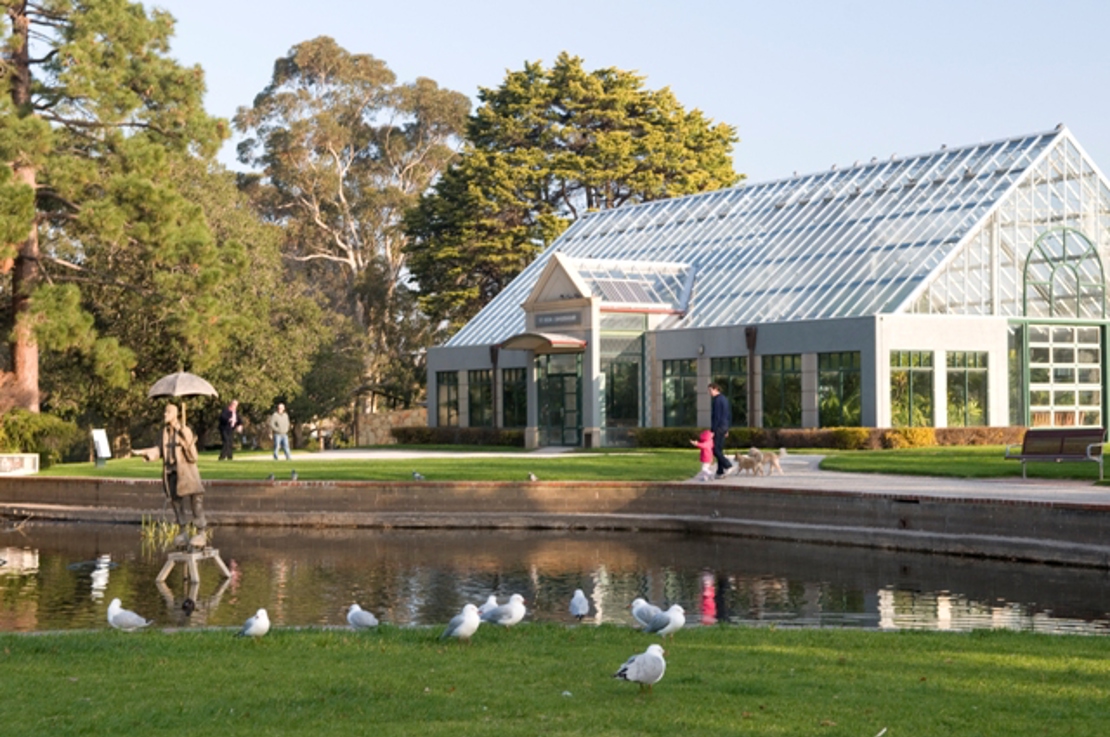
(807, 84)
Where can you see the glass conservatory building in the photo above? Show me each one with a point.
(956, 288)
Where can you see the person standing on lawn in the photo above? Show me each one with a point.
(279, 429)
(720, 417)
(230, 422)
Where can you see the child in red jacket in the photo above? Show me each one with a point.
(705, 445)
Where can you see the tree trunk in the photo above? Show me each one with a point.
(26, 273)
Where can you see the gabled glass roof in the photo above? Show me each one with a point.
(637, 284)
(842, 243)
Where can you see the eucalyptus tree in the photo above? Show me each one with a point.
(342, 150)
(92, 112)
(544, 148)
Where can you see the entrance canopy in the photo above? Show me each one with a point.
(544, 343)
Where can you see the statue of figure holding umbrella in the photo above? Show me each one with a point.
(177, 447)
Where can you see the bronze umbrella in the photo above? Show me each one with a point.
(181, 384)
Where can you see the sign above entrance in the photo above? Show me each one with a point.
(558, 319)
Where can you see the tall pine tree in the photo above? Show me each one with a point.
(544, 148)
(93, 112)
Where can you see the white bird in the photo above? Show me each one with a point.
(489, 606)
(464, 624)
(643, 612)
(507, 615)
(125, 619)
(417, 476)
(256, 626)
(579, 605)
(646, 669)
(533, 477)
(360, 619)
(668, 622)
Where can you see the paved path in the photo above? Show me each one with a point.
(802, 472)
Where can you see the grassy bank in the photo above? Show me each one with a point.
(979, 461)
(653, 465)
(552, 680)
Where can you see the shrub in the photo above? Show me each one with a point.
(979, 435)
(851, 438)
(31, 432)
(664, 437)
(909, 437)
(458, 436)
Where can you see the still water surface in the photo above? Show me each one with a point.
(62, 576)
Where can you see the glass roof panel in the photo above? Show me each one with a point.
(842, 243)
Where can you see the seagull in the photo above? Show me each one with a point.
(270, 477)
(643, 612)
(464, 624)
(579, 605)
(533, 477)
(668, 622)
(293, 474)
(417, 476)
(360, 619)
(125, 619)
(507, 615)
(489, 606)
(256, 626)
(645, 669)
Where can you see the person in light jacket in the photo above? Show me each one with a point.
(279, 429)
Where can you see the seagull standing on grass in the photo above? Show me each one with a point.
(579, 605)
(463, 625)
(360, 619)
(417, 476)
(646, 669)
(125, 619)
(507, 615)
(533, 477)
(668, 622)
(489, 606)
(643, 612)
(256, 626)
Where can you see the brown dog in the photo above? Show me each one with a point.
(747, 463)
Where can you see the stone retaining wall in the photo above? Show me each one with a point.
(1071, 534)
(374, 429)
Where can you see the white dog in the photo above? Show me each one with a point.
(768, 462)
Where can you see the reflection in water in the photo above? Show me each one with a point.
(63, 574)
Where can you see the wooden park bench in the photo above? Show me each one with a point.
(1059, 444)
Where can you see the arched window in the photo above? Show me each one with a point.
(1064, 277)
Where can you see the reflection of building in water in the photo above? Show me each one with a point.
(19, 607)
(19, 561)
(100, 576)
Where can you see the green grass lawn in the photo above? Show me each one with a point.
(652, 465)
(554, 680)
(644, 464)
(978, 461)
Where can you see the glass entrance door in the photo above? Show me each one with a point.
(1065, 376)
(560, 395)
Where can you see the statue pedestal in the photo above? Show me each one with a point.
(189, 561)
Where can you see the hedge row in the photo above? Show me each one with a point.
(458, 436)
(52, 438)
(842, 438)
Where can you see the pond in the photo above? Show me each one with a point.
(62, 576)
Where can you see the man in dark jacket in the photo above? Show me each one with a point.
(720, 417)
(229, 423)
